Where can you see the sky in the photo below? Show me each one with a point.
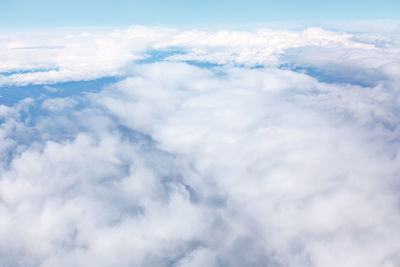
(189, 145)
(179, 13)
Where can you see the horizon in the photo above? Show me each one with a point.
(46, 14)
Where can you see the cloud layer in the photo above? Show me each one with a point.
(282, 150)
(72, 55)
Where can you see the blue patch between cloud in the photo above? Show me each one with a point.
(327, 76)
(10, 95)
(159, 55)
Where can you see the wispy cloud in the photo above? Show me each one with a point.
(36, 47)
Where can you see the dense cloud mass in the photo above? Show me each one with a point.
(264, 148)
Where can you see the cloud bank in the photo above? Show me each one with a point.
(265, 148)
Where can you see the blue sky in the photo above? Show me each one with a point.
(49, 13)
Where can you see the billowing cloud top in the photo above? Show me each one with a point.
(162, 147)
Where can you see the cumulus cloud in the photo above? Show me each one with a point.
(57, 104)
(72, 55)
(52, 57)
(181, 165)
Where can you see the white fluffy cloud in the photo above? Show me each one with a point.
(71, 55)
(178, 165)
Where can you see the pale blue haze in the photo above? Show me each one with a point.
(48, 14)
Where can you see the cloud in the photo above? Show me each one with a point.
(76, 55)
(57, 104)
(180, 165)
(256, 48)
